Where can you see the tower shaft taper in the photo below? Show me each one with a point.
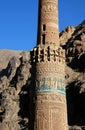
(48, 59)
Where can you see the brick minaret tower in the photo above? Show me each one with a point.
(48, 60)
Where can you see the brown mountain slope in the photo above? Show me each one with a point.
(72, 39)
(5, 56)
(14, 92)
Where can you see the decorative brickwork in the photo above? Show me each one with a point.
(48, 22)
(48, 60)
(48, 53)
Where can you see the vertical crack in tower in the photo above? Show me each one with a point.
(48, 61)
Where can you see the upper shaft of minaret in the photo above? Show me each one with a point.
(48, 23)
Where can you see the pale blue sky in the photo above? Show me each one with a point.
(18, 21)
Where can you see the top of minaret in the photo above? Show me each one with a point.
(48, 48)
(48, 23)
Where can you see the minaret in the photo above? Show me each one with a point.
(48, 61)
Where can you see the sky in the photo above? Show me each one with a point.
(18, 21)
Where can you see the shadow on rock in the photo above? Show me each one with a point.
(75, 104)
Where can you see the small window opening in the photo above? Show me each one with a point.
(44, 27)
(43, 39)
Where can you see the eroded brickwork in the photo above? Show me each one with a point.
(48, 59)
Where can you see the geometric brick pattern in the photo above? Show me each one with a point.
(48, 59)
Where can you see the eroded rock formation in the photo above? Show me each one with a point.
(74, 46)
(14, 86)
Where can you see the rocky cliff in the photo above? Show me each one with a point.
(15, 83)
(14, 92)
(72, 39)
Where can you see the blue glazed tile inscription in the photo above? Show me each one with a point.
(50, 84)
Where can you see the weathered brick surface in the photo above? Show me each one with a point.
(49, 60)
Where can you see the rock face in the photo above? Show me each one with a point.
(74, 45)
(5, 56)
(15, 80)
(14, 86)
